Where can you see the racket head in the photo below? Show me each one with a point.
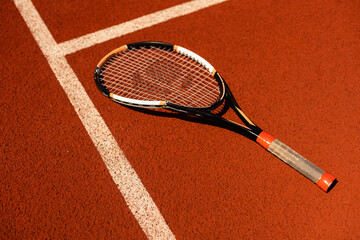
(157, 74)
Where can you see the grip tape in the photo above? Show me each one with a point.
(324, 180)
(295, 160)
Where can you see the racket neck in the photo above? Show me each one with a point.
(251, 132)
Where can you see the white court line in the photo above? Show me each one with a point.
(116, 31)
(135, 194)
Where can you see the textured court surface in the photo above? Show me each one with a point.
(75, 165)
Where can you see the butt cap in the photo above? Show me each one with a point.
(326, 182)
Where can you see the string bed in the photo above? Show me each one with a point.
(156, 74)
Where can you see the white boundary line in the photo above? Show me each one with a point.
(146, 21)
(135, 194)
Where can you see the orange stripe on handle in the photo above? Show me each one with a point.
(265, 139)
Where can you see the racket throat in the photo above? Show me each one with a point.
(250, 131)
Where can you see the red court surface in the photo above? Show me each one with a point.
(293, 67)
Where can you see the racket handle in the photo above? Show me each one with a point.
(318, 176)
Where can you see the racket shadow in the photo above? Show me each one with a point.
(161, 112)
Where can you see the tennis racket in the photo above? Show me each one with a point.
(163, 75)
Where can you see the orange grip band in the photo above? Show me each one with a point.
(264, 139)
(325, 181)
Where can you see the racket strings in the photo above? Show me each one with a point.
(133, 67)
(162, 76)
(158, 74)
